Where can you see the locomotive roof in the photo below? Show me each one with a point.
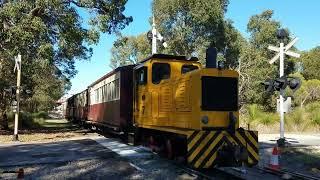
(167, 56)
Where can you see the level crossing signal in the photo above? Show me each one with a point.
(282, 83)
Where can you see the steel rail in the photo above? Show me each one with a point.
(292, 175)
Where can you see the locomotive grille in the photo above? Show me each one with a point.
(219, 93)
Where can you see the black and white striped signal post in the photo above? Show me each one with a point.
(281, 52)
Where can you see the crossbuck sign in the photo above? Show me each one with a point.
(285, 51)
(281, 51)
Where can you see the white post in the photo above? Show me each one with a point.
(16, 117)
(281, 69)
(154, 37)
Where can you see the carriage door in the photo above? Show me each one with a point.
(140, 109)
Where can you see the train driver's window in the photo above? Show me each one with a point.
(187, 68)
(160, 71)
(142, 75)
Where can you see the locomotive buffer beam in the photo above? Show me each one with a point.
(208, 149)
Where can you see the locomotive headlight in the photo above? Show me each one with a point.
(205, 119)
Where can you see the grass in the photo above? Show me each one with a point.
(301, 119)
(53, 123)
(39, 127)
(38, 120)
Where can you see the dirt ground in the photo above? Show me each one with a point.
(302, 159)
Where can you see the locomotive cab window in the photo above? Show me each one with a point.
(141, 75)
(187, 68)
(160, 71)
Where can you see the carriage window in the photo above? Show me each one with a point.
(187, 68)
(141, 76)
(160, 71)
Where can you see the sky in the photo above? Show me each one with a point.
(301, 17)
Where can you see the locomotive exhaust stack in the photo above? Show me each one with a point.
(211, 57)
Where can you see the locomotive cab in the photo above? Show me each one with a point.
(180, 93)
(194, 105)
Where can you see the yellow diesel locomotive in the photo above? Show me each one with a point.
(192, 112)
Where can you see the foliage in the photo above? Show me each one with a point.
(300, 119)
(254, 113)
(130, 50)
(40, 114)
(26, 120)
(50, 37)
(191, 26)
(308, 92)
(311, 63)
(315, 118)
(254, 116)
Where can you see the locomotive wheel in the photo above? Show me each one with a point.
(169, 149)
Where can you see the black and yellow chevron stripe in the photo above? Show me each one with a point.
(203, 146)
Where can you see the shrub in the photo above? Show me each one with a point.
(254, 113)
(26, 120)
(41, 114)
(313, 110)
(268, 118)
(297, 116)
(298, 120)
(315, 118)
(313, 107)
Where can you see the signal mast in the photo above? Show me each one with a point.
(154, 35)
(283, 81)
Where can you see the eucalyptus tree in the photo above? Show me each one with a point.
(51, 35)
(129, 50)
(311, 63)
(190, 26)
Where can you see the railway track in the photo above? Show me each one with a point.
(286, 174)
(211, 174)
(196, 174)
(238, 173)
(228, 173)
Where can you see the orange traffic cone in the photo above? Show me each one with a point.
(274, 160)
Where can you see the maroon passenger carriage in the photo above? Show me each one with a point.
(81, 106)
(106, 96)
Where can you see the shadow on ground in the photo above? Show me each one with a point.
(77, 159)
